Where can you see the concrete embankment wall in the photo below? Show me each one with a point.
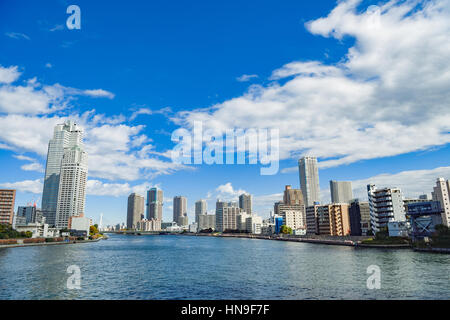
(46, 243)
(340, 241)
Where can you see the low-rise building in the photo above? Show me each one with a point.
(149, 225)
(424, 217)
(398, 228)
(254, 224)
(193, 227)
(80, 223)
(38, 230)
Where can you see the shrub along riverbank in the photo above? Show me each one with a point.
(7, 232)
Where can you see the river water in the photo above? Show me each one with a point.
(183, 267)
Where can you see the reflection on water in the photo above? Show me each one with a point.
(181, 267)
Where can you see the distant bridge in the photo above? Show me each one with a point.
(143, 233)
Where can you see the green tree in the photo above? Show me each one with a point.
(93, 230)
(285, 229)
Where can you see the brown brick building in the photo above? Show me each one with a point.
(7, 201)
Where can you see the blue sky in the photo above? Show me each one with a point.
(364, 88)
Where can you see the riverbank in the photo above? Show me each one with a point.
(433, 250)
(352, 241)
(18, 244)
(348, 241)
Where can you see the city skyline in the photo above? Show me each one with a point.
(129, 112)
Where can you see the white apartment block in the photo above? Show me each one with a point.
(241, 221)
(226, 218)
(254, 224)
(385, 205)
(294, 218)
(441, 193)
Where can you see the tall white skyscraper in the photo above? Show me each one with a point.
(309, 180)
(441, 193)
(65, 136)
(72, 186)
(341, 191)
(245, 202)
(200, 209)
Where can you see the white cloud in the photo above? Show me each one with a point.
(32, 186)
(33, 164)
(412, 183)
(8, 75)
(388, 96)
(17, 35)
(246, 77)
(99, 188)
(35, 98)
(227, 192)
(116, 151)
(48, 65)
(99, 93)
(57, 27)
(147, 111)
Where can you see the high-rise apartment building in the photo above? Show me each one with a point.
(180, 210)
(309, 180)
(226, 217)
(200, 209)
(224, 204)
(241, 220)
(292, 196)
(135, 210)
(312, 226)
(341, 191)
(7, 202)
(65, 136)
(333, 219)
(245, 202)
(154, 204)
(294, 218)
(291, 209)
(359, 214)
(385, 205)
(72, 185)
(441, 193)
(206, 221)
